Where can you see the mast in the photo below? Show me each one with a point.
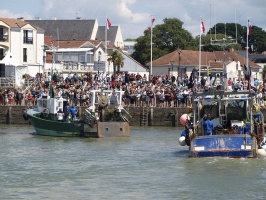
(106, 43)
(248, 69)
(152, 19)
(202, 30)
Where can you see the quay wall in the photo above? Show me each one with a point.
(148, 116)
(140, 116)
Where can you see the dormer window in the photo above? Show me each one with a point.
(27, 36)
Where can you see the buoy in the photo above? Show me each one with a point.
(182, 141)
(261, 152)
(183, 119)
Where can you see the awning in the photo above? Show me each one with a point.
(9, 60)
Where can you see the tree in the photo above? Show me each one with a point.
(117, 59)
(167, 37)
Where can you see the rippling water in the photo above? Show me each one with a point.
(148, 165)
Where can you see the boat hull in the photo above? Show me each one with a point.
(47, 127)
(60, 129)
(237, 146)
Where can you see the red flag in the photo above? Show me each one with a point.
(249, 28)
(108, 23)
(152, 20)
(202, 27)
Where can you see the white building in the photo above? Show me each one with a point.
(85, 56)
(21, 49)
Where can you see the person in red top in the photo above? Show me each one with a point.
(230, 84)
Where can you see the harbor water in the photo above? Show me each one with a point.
(148, 165)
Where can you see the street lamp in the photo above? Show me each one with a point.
(172, 66)
(169, 70)
(178, 68)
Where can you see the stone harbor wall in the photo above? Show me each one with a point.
(140, 116)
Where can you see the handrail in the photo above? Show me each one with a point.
(7, 82)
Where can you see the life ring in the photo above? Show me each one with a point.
(45, 112)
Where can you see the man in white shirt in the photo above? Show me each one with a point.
(60, 115)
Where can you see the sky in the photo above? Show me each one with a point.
(134, 16)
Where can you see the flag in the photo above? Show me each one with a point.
(108, 23)
(249, 28)
(202, 27)
(152, 20)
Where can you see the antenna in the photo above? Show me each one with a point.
(57, 37)
(76, 14)
(215, 25)
(211, 21)
(226, 41)
(236, 24)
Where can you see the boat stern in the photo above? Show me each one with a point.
(224, 146)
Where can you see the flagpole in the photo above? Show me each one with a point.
(106, 43)
(200, 48)
(247, 52)
(151, 46)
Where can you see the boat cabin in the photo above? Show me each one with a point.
(50, 105)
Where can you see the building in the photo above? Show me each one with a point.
(80, 56)
(181, 62)
(129, 47)
(21, 49)
(80, 29)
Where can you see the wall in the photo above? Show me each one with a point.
(154, 116)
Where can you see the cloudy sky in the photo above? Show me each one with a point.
(134, 16)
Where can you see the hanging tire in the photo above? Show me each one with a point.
(25, 116)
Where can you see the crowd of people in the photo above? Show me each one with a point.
(157, 91)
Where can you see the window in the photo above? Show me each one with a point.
(1, 34)
(1, 54)
(24, 54)
(27, 37)
(99, 55)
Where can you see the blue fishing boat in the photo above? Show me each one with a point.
(237, 124)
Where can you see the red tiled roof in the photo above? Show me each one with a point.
(71, 43)
(17, 23)
(191, 58)
(48, 40)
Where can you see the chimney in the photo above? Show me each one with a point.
(21, 18)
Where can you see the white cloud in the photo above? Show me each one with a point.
(134, 15)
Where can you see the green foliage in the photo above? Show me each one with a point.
(167, 37)
(117, 59)
(171, 35)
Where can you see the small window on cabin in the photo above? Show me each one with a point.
(60, 104)
(39, 103)
(44, 104)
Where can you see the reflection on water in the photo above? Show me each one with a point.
(148, 165)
